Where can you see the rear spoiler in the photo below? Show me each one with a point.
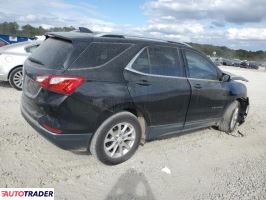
(56, 35)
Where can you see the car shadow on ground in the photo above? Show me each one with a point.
(5, 84)
(131, 185)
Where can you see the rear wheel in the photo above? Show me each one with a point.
(231, 118)
(16, 78)
(117, 139)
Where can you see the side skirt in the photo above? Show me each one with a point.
(160, 131)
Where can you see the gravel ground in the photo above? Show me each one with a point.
(206, 164)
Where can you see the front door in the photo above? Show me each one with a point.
(159, 72)
(208, 95)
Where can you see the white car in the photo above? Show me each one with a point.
(12, 58)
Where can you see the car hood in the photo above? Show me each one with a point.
(236, 77)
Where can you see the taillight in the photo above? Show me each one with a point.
(59, 83)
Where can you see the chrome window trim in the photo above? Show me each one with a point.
(205, 58)
(129, 68)
(98, 66)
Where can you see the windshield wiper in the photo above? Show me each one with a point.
(35, 61)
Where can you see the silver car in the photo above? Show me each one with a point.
(12, 58)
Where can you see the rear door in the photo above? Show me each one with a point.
(158, 85)
(208, 93)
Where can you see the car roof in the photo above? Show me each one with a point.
(112, 37)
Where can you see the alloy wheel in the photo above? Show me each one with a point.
(119, 140)
(18, 79)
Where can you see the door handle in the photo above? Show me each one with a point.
(143, 83)
(197, 86)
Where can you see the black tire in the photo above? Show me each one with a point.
(225, 124)
(97, 146)
(13, 78)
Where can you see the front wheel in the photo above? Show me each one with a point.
(16, 78)
(231, 118)
(117, 139)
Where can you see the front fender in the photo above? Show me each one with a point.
(237, 90)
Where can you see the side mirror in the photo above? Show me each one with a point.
(225, 78)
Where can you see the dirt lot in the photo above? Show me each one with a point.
(205, 164)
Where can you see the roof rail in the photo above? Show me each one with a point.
(159, 40)
(182, 43)
(173, 42)
(112, 35)
(145, 38)
(188, 45)
(139, 37)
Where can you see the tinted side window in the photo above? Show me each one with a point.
(141, 64)
(164, 61)
(98, 54)
(159, 61)
(53, 53)
(200, 67)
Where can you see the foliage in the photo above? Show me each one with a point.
(12, 28)
(225, 52)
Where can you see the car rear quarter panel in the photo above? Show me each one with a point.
(92, 103)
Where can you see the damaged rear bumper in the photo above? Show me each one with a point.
(64, 141)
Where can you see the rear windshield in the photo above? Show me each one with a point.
(52, 53)
(98, 54)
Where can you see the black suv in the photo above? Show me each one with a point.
(109, 93)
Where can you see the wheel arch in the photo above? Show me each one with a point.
(18, 66)
(142, 117)
(244, 103)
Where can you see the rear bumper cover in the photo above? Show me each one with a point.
(64, 141)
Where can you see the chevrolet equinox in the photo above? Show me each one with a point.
(109, 93)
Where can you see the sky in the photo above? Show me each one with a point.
(237, 24)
